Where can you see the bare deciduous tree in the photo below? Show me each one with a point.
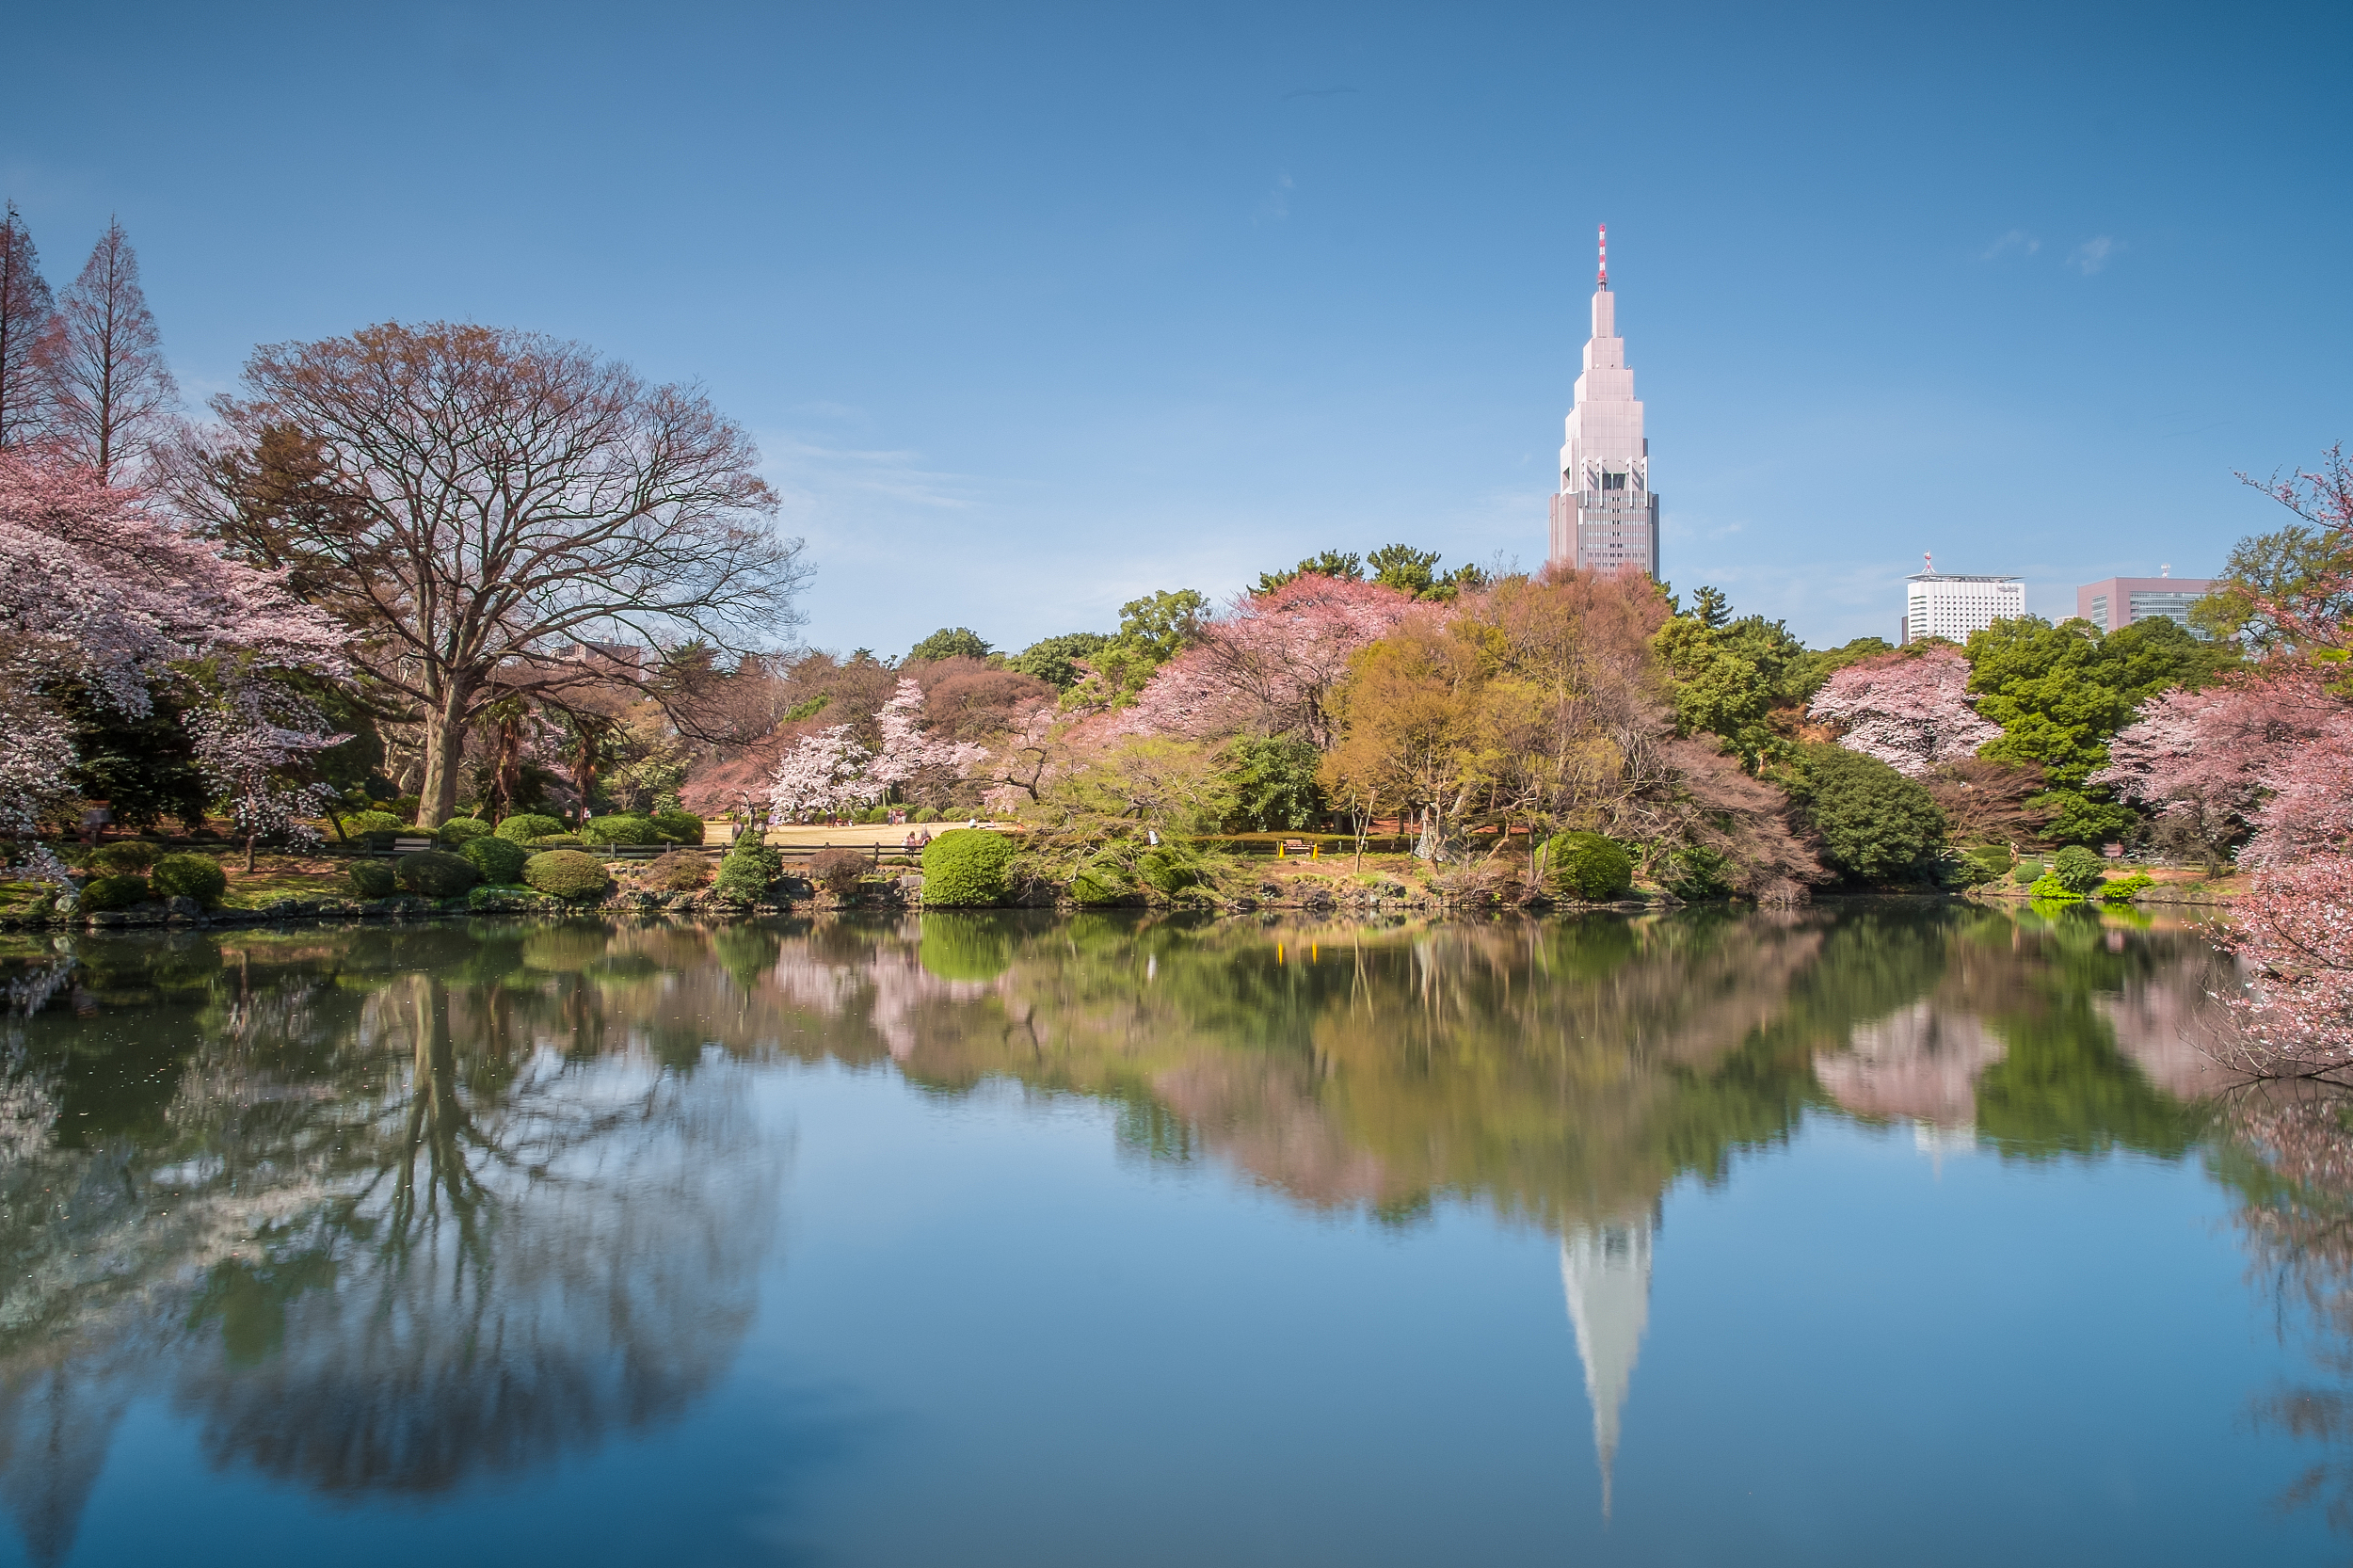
(115, 395)
(26, 311)
(504, 515)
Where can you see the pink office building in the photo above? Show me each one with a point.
(2118, 602)
(1606, 516)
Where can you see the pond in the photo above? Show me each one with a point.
(1854, 1235)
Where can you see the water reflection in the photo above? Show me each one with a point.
(386, 1211)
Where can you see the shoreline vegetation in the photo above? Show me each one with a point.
(260, 625)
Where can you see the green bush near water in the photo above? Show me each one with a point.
(747, 870)
(966, 866)
(113, 893)
(2028, 872)
(568, 874)
(1099, 882)
(371, 878)
(2078, 870)
(2125, 888)
(1586, 866)
(499, 860)
(431, 874)
(126, 858)
(195, 876)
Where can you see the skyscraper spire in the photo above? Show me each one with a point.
(1605, 517)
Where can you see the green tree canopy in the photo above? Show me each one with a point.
(949, 642)
(1055, 660)
(1874, 823)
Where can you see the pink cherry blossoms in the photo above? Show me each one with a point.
(251, 744)
(832, 771)
(1911, 710)
(1266, 664)
(102, 590)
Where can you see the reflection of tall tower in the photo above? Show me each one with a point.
(1605, 1273)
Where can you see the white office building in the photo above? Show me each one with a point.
(1605, 517)
(1950, 605)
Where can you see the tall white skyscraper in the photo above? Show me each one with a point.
(1953, 604)
(1606, 516)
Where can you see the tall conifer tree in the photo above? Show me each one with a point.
(115, 395)
(28, 312)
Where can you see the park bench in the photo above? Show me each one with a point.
(411, 846)
(1290, 847)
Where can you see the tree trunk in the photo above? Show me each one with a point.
(445, 746)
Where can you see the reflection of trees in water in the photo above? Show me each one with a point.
(2288, 1149)
(408, 1212)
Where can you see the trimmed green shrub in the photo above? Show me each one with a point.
(408, 806)
(928, 813)
(838, 872)
(618, 830)
(2028, 872)
(966, 866)
(462, 830)
(750, 866)
(963, 947)
(370, 879)
(1587, 866)
(498, 859)
(195, 876)
(128, 856)
(679, 872)
(566, 873)
(2124, 889)
(374, 825)
(1874, 823)
(1100, 882)
(553, 840)
(679, 827)
(2049, 887)
(431, 874)
(525, 827)
(113, 893)
(2078, 870)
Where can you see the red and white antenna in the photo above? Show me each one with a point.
(1604, 280)
(1929, 561)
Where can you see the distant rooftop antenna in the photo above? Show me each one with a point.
(1602, 280)
(1928, 561)
(2165, 570)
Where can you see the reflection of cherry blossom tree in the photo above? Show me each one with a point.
(1909, 710)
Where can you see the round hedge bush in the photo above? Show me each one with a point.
(130, 856)
(2049, 887)
(553, 840)
(679, 827)
(431, 874)
(928, 813)
(566, 873)
(750, 866)
(499, 860)
(525, 827)
(371, 878)
(462, 830)
(1589, 867)
(618, 830)
(966, 866)
(113, 893)
(2027, 874)
(679, 872)
(2078, 870)
(361, 822)
(195, 876)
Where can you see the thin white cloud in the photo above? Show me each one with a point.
(2092, 255)
(1277, 204)
(2016, 242)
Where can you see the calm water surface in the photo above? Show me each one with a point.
(1860, 1235)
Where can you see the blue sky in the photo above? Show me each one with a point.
(1036, 309)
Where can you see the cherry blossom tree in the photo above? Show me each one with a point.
(1267, 663)
(1909, 709)
(2199, 758)
(910, 744)
(825, 772)
(102, 590)
(252, 744)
